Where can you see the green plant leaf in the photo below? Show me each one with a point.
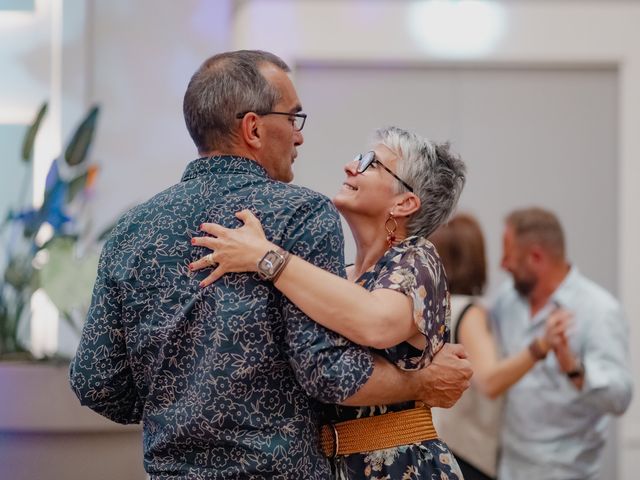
(76, 185)
(18, 273)
(79, 145)
(66, 316)
(30, 137)
(6, 220)
(67, 279)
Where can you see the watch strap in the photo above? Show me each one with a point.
(287, 257)
(576, 372)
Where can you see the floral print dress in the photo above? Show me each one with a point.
(413, 268)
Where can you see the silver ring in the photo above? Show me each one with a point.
(209, 259)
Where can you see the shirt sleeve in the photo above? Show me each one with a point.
(329, 367)
(607, 385)
(99, 373)
(418, 273)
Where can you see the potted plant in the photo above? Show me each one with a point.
(49, 250)
(46, 247)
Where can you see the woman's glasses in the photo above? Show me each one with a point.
(366, 159)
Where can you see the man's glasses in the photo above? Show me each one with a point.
(366, 159)
(296, 119)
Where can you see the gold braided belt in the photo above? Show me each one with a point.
(375, 433)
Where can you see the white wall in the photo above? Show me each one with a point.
(25, 37)
(530, 136)
(143, 55)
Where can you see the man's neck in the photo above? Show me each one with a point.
(546, 285)
(222, 153)
(235, 151)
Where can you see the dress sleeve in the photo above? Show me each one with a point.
(418, 273)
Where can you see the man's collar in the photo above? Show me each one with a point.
(222, 164)
(562, 294)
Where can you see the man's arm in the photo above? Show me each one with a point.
(605, 381)
(328, 366)
(99, 372)
(440, 384)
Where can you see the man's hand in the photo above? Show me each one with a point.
(556, 327)
(444, 381)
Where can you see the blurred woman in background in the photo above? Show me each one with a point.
(471, 428)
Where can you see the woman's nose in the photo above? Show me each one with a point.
(351, 168)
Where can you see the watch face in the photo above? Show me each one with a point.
(267, 264)
(270, 263)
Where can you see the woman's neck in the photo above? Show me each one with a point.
(371, 244)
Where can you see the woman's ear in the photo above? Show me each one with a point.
(406, 204)
(250, 130)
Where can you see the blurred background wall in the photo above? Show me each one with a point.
(542, 100)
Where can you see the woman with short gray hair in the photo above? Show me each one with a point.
(396, 298)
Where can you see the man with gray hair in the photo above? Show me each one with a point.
(225, 378)
(556, 417)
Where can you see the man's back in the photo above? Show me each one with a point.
(221, 377)
(550, 427)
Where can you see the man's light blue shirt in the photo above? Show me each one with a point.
(551, 429)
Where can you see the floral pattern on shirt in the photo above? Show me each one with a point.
(225, 378)
(412, 267)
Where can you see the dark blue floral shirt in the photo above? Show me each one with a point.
(225, 379)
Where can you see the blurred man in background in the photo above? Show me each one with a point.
(556, 417)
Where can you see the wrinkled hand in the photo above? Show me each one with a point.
(447, 377)
(233, 249)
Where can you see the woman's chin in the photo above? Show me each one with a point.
(347, 209)
(340, 202)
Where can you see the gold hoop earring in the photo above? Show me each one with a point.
(391, 230)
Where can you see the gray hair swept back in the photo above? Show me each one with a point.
(436, 174)
(225, 85)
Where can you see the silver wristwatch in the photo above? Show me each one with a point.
(272, 263)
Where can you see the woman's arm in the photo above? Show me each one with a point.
(380, 319)
(492, 375)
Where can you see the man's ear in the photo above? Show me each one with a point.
(537, 254)
(250, 130)
(406, 204)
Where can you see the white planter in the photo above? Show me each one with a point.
(46, 433)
